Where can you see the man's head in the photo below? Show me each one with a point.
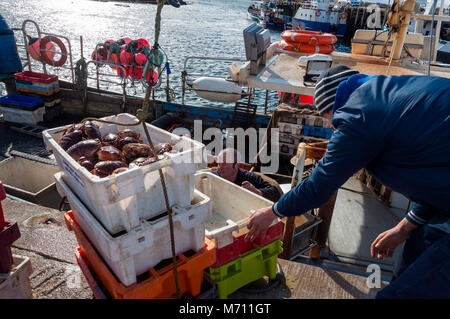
(227, 164)
(326, 88)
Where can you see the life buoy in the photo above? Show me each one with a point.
(318, 13)
(343, 15)
(34, 51)
(144, 42)
(100, 54)
(308, 37)
(306, 48)
(60, 44)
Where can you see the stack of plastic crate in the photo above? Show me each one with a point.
(41, 85)
(121, 222)
(298, 127)
(14, 270)
(22, 109)
(238, 262)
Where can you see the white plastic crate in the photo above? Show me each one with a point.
(22, 116)
(231, 207)
(289, 139)
(119, 201)
(16, 283)
(294, 129)
(136, 251)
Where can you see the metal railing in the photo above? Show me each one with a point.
(99, 78)
(40, 33)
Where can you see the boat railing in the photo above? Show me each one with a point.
(101, 79)
(25, 44)
(98, 75)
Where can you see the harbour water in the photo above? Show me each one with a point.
(210, 28)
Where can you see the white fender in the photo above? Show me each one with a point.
(217, 89)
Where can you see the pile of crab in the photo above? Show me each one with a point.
(111, 153)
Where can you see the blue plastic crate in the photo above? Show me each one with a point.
(317, 131)
(22, 102)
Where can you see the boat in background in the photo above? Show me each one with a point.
(272, 16)
(322, 15)
(253, 11)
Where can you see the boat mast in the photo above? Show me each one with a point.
(400, 16)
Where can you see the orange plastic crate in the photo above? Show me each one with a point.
(160, 283)
(93, 284)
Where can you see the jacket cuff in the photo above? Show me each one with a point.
(416, 220)
(275, 210)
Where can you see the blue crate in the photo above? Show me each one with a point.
(317, 131)
(22, 102)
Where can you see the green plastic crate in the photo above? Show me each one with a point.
(247, 268)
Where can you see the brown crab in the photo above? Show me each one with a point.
(110, 153)
(135, 150)
(69, 139)
(105, 168)
(110, 139)
(128, 133)
(87, 163)
(91, 130)
(86, 148)
(121, 142)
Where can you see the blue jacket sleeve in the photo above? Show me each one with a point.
(420, 214)
(351, 147)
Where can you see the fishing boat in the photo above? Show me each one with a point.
(253, 11)
(362, 201)
(273, 17)
(322, 15)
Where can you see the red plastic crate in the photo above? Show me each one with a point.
(240, 246)
(160, 283)
(36, 77)
(2, 197)
(9, 233)
(307, 99)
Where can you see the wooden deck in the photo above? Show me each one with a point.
(310, 282)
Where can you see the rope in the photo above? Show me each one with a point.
(80, 74)
(142, 115)
(170, 94)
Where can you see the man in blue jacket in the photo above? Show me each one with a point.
(398, 128)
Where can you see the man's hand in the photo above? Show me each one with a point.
(386, 242)
(251, 187)
(260, 220)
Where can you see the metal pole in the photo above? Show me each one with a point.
(431, 37)
(438, 31)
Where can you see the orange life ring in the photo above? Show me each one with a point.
(343, 15)
(308, 37)
(306, 48)
(60, 44)
(318, 13)
(33, 49)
